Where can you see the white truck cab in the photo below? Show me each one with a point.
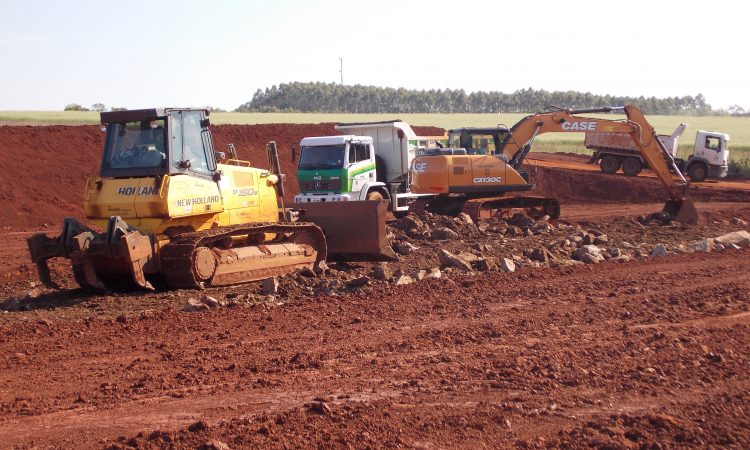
(710, 158)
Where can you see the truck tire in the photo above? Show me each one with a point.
(609, 164)
(680, 163)
(632, 166)
(698, 172)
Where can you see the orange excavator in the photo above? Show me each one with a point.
(478, 176)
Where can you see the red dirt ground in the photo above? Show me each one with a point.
(650, 353)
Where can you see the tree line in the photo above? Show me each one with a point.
(336, 98)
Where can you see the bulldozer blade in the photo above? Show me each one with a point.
(352, 229)
(682, 210)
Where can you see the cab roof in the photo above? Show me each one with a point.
(334, 140)
(132, 115)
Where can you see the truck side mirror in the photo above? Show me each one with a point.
(294, 153)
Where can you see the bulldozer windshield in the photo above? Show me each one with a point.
(135, 148)
(322, 157)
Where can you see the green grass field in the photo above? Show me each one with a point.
(737, 127)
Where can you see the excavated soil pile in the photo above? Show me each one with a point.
(43, 170)
(574, 186)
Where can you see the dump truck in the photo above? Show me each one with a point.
(370, 162)
(492, 178)
(710, 157)
(166, 210)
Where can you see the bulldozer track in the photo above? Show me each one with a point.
(177, 256)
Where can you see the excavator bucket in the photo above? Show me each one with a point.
(682, 210)
(352, 229)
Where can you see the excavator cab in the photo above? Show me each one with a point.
(477, 141)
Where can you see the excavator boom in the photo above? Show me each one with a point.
(518, 142)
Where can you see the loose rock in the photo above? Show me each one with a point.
(449, 259)
(443, 234)
(194, 305)
(270, 286)
(740, 238)
(381, 272)
(659, 250)
(359, 281)
(507, 265)
(465, 218)
(211, 302)
(404, 279)
(404, 247)
(486, 263)
(587, 250)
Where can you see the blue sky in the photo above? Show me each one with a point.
(197, 53)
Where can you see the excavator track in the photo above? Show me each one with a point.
(483, 208)
(178, 257)
(486, 207)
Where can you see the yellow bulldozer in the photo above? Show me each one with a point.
(170, 212)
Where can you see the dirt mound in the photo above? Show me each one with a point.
(43, 172)
(574, 186)
(428, 131)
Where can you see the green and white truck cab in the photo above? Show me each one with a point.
(370, 163)
(336, 169)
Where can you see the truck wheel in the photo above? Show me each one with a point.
(609, 164)
(680, 163)
(698, 172)
(632, 166)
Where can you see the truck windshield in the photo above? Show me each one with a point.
(321, 157)
(135, 145)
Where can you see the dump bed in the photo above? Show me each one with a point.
(622, 142)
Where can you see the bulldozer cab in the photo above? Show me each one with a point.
(154, 142)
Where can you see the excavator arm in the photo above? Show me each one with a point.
(518, 142)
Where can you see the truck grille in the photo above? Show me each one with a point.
(328, 185)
